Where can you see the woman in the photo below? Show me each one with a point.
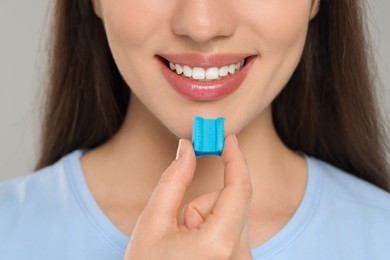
(303, 172)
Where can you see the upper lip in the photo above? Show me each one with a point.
(203, 60)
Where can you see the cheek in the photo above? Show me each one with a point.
(278, 28)
(132, 27)
(278, 24)
(132, 22)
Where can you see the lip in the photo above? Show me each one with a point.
(205, 90)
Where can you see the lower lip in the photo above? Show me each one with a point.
(205, 90)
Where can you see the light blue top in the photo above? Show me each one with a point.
(52, 214)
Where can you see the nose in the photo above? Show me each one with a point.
(203, 20)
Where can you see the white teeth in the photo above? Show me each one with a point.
(198, 73)
(202, 74)
(212, 73)
(223, 71)
(172, 66)
(179, 69)
(187, 71)
(232, 69)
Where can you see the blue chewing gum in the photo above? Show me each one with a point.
(208, 136)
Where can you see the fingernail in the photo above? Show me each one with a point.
(179, 152)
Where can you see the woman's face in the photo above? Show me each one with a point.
(206, 39)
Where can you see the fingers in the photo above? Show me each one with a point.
(196, 211)
(167, 197)
(224, 212)
(229, 215)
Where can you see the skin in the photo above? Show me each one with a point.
(123, 172)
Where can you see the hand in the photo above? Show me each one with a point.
(214, 225)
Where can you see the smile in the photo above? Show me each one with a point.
(206, 74)
(205, 78)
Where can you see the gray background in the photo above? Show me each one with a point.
(23, 28)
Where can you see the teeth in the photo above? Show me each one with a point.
(179, 69)
(212, 73)
(232, 69)
(187, 71)
(198, 73)
(223, 71)
(202, 74)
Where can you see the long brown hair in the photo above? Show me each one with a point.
(328, 109)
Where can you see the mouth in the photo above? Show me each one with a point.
(205, 78)
(205, 73)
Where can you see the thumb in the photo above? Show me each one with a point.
(168, 195)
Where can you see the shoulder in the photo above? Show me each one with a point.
(353, 209)
(46, 187)
(44, 212)
(35, 183)
(351, 219)
(34, 205)
(349, 189)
